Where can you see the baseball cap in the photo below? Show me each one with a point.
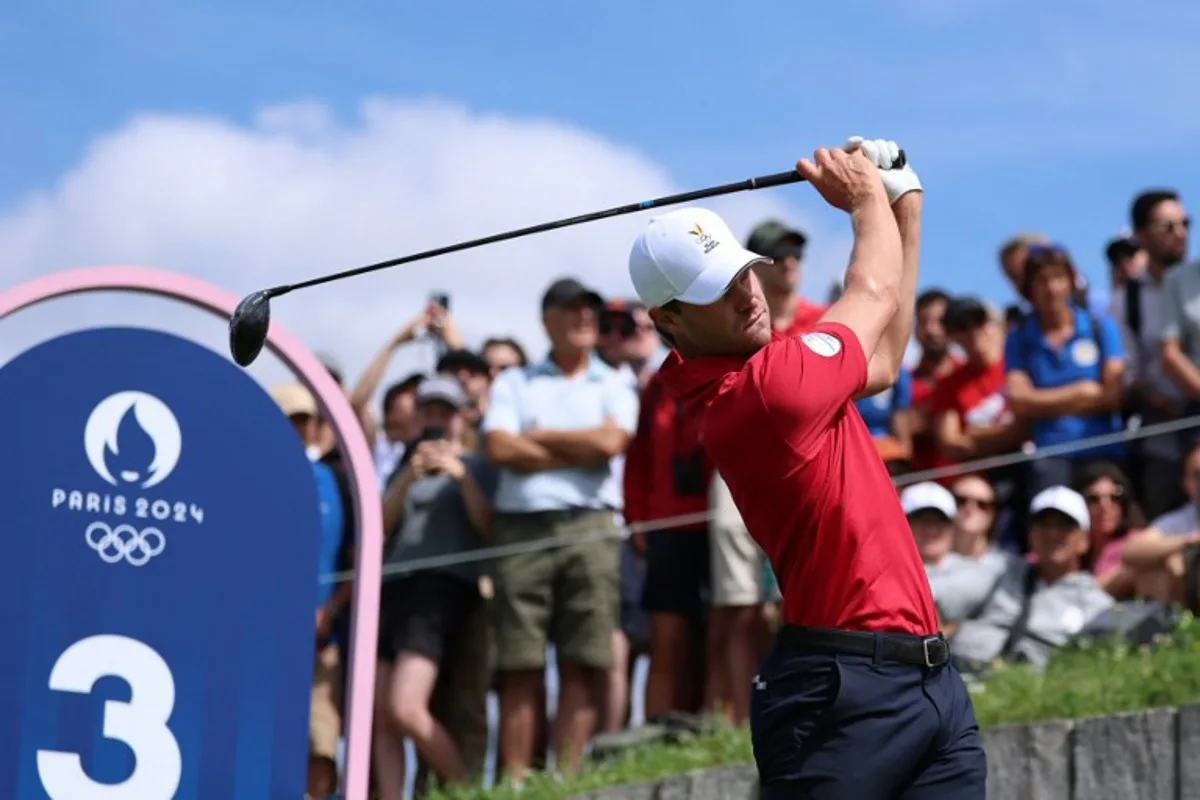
(688, 254)
(1063, 500)
(462, 358)
(566, 291)
(921, 496)
(294, 399)
(767, 235)
(441, 389)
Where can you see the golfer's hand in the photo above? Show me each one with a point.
(846, 180)
(883, 153)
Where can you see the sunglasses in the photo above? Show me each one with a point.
(1116, 495)
(783, 252)
(1169, 225)
(624, 325)
(983, 505)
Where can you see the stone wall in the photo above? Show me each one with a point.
(1148, 755)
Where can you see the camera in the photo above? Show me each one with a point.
(689, 474)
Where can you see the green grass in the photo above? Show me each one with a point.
(1103, 678)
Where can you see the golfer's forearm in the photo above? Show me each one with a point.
(907, 211)
(872, 295)
(587, 446)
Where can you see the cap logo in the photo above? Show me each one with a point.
(705, 240)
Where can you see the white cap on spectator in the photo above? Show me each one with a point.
(1064, 501)
(688, 254)
(294, 399)
(921, 496)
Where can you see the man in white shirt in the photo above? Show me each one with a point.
(1160, 226)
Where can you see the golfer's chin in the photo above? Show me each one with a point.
(757, 334)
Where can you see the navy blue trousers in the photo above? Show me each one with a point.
(860, 727)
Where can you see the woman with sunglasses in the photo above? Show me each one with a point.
(1065, 370)
(1115, 514)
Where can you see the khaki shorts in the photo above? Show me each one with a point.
(566, 594)
(737, 560)
(325, 715)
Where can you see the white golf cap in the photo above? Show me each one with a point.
(688, 254)
(1064, 501)
(928, 495)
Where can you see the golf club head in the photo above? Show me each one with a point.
(248, 327)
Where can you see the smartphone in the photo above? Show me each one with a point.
(441, 298)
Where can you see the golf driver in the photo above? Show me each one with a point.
(252, 318)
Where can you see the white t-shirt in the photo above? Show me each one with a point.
(1182, 521)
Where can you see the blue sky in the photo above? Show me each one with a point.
(1017, 115)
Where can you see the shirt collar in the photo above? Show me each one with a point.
(696, 379)
(596, 368)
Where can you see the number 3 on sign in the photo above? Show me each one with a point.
(141, 723)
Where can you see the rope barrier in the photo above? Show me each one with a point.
(1129, 434)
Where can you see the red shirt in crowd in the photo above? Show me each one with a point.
(807, 315)
(782, 429)
(975, 394)
(664, 433)
(924, 383)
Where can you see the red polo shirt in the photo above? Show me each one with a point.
(807, 315)
(783, 431)
(664, 433)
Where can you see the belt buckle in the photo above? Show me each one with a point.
(925, 648)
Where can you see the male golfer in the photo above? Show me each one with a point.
(857, 698)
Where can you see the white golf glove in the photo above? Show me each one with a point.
(883, 153)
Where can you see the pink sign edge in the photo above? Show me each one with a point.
(332, 399)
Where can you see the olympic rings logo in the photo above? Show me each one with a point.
(125, 542)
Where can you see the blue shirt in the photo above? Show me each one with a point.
(1095, 341)
(330, 508)
(877, 410)
(541, 396)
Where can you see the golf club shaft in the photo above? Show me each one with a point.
(761, 182)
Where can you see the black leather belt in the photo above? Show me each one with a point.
(918, 651)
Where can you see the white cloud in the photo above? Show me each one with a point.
(298, 193)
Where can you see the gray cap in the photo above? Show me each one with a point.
(442, 389)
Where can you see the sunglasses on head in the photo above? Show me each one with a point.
(1042, 250)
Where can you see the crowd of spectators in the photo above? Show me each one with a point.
(621, 541)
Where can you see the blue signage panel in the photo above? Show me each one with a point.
(160, 525)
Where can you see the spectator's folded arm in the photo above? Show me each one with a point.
(519, 453)
(1151, 547)
(583, 447)
(1075, 399)
(1180, 369)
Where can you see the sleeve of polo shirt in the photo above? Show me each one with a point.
(807, 380)
(1014, 358)
(1111, 345)
(621, 404)
(502, 413)
(1172, 309)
